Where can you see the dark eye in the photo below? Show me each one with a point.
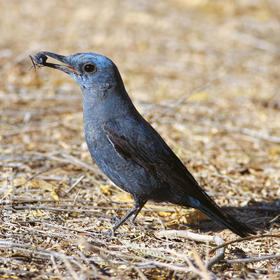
(89, 68)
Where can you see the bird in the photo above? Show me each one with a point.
(128, 150)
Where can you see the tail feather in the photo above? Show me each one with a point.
(227, 220)
(211, 209)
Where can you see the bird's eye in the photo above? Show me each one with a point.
(89, 68)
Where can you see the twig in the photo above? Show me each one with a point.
(55, 266)
(75, 183)
(55, 209)
(259, 135)
(91, 208)
(161, 254)
(30, 129)
(255, 42)
(25, 274)
(81, 163)
(254, 259)
(41, 172)
(179, 267)
(39, 251)
(69, 267)
(212, 193)
(275, 218)
(94, 266)
(44, 254)
(243, 239)
(185, 234)
(252, 133)
(220, 254)
(70, 159)
(172, 266)
(202, 271)
(255, 134)
(140, 273)
(30, 96)
(197, 237)
(46, 232)
(18, 200)
(69, 229)
(182, 100)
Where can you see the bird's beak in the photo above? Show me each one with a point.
(40, 59)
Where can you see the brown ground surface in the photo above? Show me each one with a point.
(204, 73)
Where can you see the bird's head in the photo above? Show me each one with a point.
(94, 73)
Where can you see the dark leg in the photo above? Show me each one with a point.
(138, 205)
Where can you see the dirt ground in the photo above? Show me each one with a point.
(206, 74)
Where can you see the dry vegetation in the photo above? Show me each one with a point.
(204, 73)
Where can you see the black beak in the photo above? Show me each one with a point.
(40, 59)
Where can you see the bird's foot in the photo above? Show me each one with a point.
(132, 220)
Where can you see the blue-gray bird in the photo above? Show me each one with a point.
(126, 147)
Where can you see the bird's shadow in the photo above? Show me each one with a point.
(260, 216)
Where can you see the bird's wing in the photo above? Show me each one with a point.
(144, 146)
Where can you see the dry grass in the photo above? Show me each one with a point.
(224, 55)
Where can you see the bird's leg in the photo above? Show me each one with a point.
(133, 217)
(138, 205)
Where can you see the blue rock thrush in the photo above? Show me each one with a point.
(126, 147)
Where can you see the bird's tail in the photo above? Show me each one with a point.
(228, 221)
(211, 209)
